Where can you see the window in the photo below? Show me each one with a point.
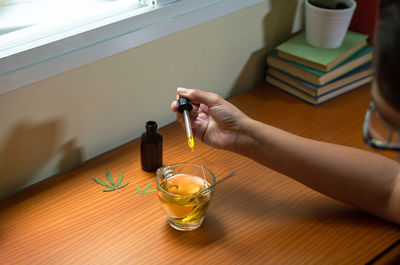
(25, 24)
(41, 38)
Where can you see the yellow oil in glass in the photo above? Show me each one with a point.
(183, 206)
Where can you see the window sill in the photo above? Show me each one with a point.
(57, 54)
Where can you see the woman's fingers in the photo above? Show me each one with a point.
(193, 113)
(197, 96)
(173, 106)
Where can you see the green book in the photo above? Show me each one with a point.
(318, 77)
(298, 50)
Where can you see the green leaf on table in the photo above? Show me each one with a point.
(109, 177)
(148, 191)
(146, 187)
(111, 180)
(120, 179)
(102, 183)
(144, 190)
(138, 189)
(123, 185)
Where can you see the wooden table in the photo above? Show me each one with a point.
(257, 217)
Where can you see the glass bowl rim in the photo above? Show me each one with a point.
(179, 164)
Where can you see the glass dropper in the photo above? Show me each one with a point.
(184, 106)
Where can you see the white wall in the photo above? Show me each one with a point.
(56, 124)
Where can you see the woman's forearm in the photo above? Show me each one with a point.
(357, 177)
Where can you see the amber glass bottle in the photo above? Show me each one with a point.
(151, 148)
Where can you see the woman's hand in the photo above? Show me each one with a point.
(215, 121)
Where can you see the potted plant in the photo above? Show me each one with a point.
(327, 21)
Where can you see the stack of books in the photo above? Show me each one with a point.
(316, 74)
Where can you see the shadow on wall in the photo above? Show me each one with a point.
(27, 149)
(71, 156)
(277, 26)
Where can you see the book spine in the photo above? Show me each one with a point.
(341, 91)
(348, 67)
(291, 90)
(319, 99)
(316, 91)
(302, 61)
(293, 70)
(291, 81)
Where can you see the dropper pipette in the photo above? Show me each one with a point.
(184, 106)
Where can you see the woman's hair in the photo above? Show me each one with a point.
(388, 52)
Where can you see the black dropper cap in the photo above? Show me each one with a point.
(151, 128)
(184, 104)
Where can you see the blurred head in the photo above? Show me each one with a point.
(388, 52)
(382, 123)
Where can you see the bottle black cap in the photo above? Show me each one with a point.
(184, 104)
(151, 125)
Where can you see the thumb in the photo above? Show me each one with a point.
(199, 96)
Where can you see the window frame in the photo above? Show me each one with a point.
(66, 53)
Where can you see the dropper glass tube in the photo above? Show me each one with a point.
(188, 128)
(184, 106)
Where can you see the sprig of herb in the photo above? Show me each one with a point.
(144, 190)
(112, 186)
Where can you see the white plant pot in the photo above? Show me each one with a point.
(326, 28)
